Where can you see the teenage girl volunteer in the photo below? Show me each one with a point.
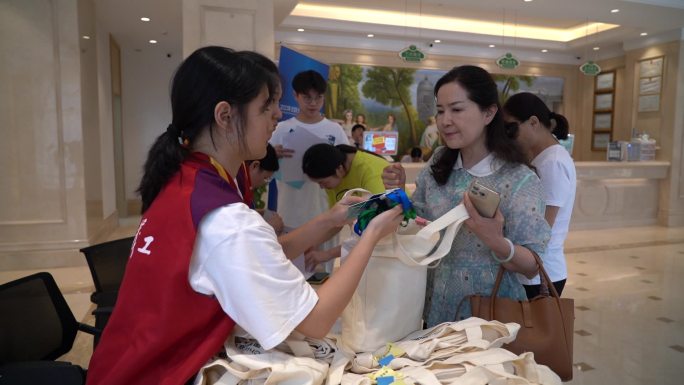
(202, 261)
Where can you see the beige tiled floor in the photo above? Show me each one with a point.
(628, 288)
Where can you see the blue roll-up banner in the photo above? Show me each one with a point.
(290, 64)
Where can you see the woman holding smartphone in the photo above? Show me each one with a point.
(471, 125)
(537, 130)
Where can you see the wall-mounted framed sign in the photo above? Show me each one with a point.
(650, 84)
(605, 81)
(604, 104)
(600, 140)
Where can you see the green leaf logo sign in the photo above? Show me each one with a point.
(508, 61)
(412, 54)
(590, 68)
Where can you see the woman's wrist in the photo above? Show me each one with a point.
(503, 253)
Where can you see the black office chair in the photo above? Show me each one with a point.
(107, 263)
(37, 327)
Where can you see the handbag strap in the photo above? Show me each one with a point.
(545, 283)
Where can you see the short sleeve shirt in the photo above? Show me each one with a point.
(238, 260)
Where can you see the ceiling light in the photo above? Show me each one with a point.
(597, 48)
(644, 34)
(545, 50)
(492, 46)
(614, 10)
(145, 19)
(300, 29)
(86, 37)
(527, 1)
(445, 23)
(437, 41)
(370, 35)
(153, 42)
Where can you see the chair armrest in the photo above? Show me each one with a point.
(89, 329)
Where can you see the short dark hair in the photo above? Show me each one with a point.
(270, 161)
(358, 127)
(321, 160)
(416, 152)
(306, 81)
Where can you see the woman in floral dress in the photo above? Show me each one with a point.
(470, 122)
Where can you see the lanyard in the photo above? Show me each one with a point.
(224, 174)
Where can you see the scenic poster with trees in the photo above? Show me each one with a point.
(407, 95)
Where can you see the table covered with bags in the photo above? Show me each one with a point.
(380, 341)
(465, 352)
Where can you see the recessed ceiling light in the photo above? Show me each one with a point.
(545, 50)
(614, 10)
(300, 29)
(644, 34)
(370, 35)
(437, 41)
(86, 37)
(492, 46)
(145, 19)
(527, 1)
(153, 42)
(597, 48)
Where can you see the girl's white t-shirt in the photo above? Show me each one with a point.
(556, 169)
(238, 260)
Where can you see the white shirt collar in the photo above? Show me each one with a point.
(485, 167)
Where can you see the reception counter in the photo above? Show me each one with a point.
(617, 194)
(609, 194)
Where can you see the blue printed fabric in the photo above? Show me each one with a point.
(469, 267)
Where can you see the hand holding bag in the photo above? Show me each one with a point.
(546, 322)
(388, 302)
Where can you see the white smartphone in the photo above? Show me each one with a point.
(485, 200)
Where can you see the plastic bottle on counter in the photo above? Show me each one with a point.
(647, 148)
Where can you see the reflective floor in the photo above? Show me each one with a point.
(628, 288)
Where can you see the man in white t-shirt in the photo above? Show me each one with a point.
(299, 199)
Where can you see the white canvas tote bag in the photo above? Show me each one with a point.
(248, 363)
(388, 302)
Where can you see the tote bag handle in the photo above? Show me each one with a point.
(452, 221)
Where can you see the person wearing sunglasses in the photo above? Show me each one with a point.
(537, 131)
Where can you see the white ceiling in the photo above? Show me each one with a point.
(663, 20)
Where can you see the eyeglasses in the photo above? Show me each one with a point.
(308, 99)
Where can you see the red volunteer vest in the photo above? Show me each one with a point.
(162, 331)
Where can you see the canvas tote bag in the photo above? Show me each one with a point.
(464, 352)
(546, 322)
(294, 362)
(388, 302)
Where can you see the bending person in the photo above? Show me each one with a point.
(338, 169)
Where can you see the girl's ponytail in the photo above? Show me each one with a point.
(163, 160)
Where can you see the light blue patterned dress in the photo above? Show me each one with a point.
(469, 267)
